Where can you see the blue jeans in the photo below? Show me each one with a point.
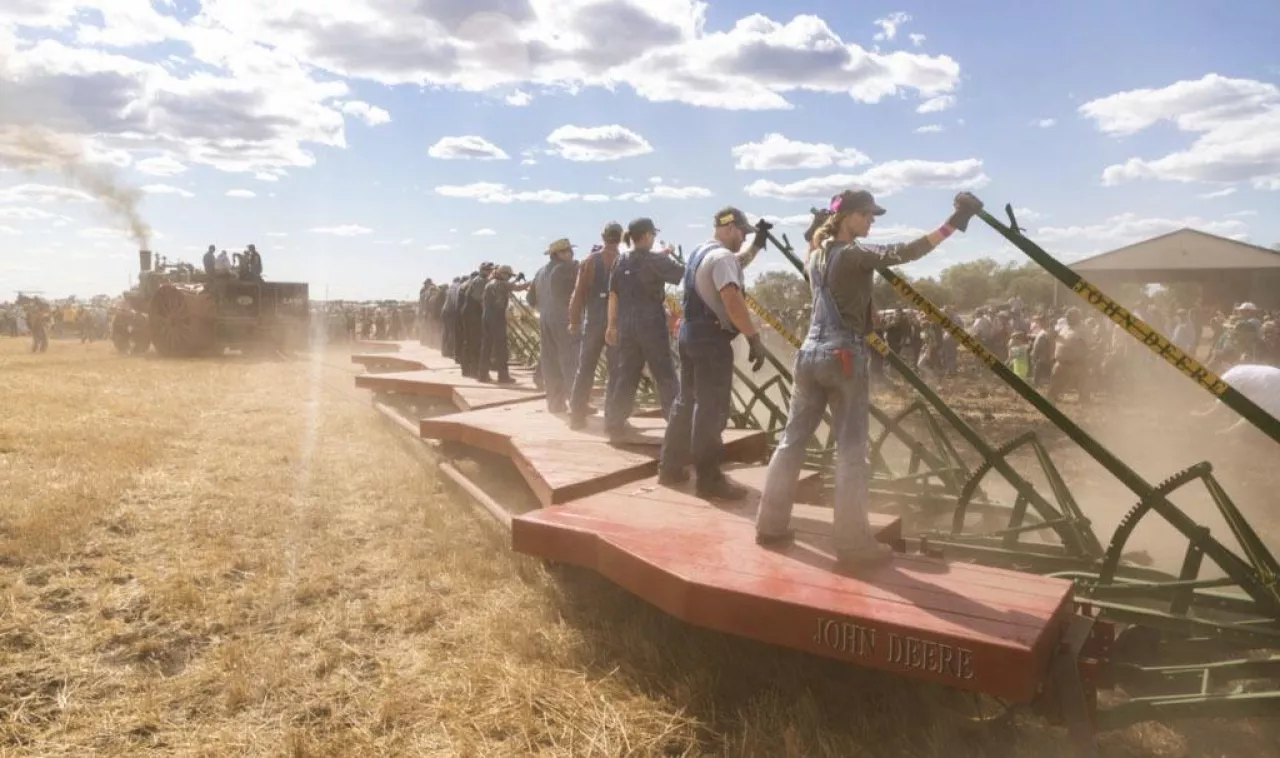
(701, 410)
(820, 381)
(640, 343)
(558, 357)
(592, 345)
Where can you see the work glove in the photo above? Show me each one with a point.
(755, 352)
(967, 206)
(761, 237)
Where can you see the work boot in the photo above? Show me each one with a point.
(718, 487)
(785, 539)
(673, 477)
(506, 379)
(877, 555)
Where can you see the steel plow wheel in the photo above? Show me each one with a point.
(182, 322)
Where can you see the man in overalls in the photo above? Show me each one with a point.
(471, 303)
(591, 294)
(638, 326)
(714, 313)
(832, 370)
(558, 349)
(449, 319)
(493, 350)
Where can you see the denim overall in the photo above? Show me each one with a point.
(557, 350)
(597, 320)
(701, 411)
(831, 369)
(471, 308)
(642, 339)
(493, 343)
(449, 317)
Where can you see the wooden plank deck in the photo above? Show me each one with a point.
(489, 396)
(440, 383)
(560, 464)
(962, 625)
(417, 359)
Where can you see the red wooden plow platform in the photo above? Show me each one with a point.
(449, 384)
(962, 625)
(559, 463)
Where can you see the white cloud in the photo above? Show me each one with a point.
(162, 165)
(1129, 227)
(42, 193)
(916, 39)
(27, 213)
(667, 52)
(1241, 214)
(883, 179)
(241, 193)
(483, 233)
(371, 115)
(777, 152)
(9, 231)
(345, 230)
(1044, 123)
(889, 25)
(438, 248)
(469, 147)
(166, 189)
(277, 234)
(1219, 193)
(518, 99)
(665, 192)
(929, 129)
(597, 143)
(1237, 122)
(1026, 214)
(936, 104)
(489, 192)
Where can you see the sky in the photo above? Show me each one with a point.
(365, 145)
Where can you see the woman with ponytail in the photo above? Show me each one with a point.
(832, 371)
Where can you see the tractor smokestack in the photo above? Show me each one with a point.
(144, 260)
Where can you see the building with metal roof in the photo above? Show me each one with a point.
(1227, 270)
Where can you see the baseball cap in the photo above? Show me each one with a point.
(641, 226)
(731, 216)
(856, 200)
(612, 231)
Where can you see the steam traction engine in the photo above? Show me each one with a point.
(184, 312)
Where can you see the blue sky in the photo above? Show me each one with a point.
(1106, 122)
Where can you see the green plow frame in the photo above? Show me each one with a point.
(1188, 645)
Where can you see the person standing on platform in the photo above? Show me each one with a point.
(493, 347)
(471, 302)
(715, 312)
(591, 296)
(558, 349)
(449, 319)
(832, 370)
(424, 302)
(638, 326)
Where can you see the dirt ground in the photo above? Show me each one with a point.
(236, 557)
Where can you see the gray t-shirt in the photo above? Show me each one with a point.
(719, 268)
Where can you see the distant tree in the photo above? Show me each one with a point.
(786, 295)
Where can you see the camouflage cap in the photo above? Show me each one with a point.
(612, 232)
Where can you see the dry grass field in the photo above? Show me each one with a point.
(233, 557)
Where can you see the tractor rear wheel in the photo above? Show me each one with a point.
(182, 322)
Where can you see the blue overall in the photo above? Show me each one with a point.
(595, 323)
(493, 342)
(701, 412)
(449, 317)
(642, 339)
(557, 349)
(831, 370)
(471, 307)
